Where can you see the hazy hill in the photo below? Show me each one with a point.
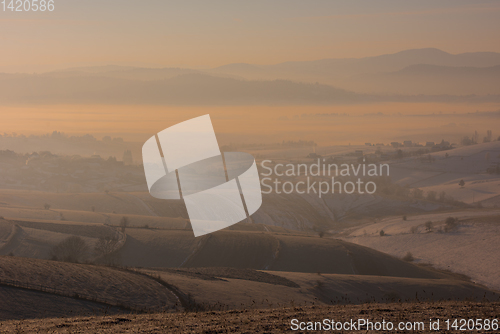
(355, 73)
(122, 72)
(430, 79)
(190, 89)
(334, 69)
(326, 81)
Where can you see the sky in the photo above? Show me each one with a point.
(204, 34)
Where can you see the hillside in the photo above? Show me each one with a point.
(388, 73)
(87, 289)
(184, 89)
(445, 169)
(429, 79)
(20, 304)
(305, 212)
(242, 246)
(263, 251)
(94, 283)
(471, 248)
(228, 288)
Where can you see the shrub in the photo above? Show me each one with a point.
(413, 229)
(92, 208)
(392, 297)
(404, 217)
(431, 196)
(71, 249)
(442, 196)
(417, 193)
(124, 223)
(428, 226)
(382, 233)
(46, 206)
(321, 234)
(408, 257)
(450, 224)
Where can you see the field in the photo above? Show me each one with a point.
(277, 320)
(28, 304)
(300, 254)
(447, 168)
(215, 289)
(93, 283)
(470, 249)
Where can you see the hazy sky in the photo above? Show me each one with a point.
(212, 33)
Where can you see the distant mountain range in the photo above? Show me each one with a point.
(412, 75)
(389, 74)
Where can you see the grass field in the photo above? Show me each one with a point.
(470, 249)
(22, 304)
(116, 287)
(229, 288)
(277, 320)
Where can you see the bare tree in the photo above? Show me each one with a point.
(408, 257)
(105, 250)
(124, 223)
(71, 249)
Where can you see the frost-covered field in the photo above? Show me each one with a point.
(446, 168)
(472, 248)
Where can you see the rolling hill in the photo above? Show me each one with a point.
(470, 248)
(93, 283)
(403, 76)
(429, 79)
(446, 168)
(390, 73)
